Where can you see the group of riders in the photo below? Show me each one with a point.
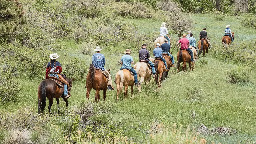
(187, 41)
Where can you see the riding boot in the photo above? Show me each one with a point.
(108, 76)
(63, 80)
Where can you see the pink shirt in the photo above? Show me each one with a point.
(184, 43)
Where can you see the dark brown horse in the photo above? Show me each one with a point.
(183, 56)
(98, 81)
(48, 88)
(168, 62)
(226, 40)
(160, 70)
(203, 47)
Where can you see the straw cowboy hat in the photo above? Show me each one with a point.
(97, 49)
(227, 26)
(54, 56)
(127, 51)
(163, 24)
(184, 35)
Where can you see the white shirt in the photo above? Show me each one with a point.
(163, 31)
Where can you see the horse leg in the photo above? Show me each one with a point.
(104, 94)
(66, 100)
(50, 104)
(131, 90)
(184, 66)
(97, 96)
(160, 79)
(125, 90)
(89, 88)
(58, 102)
(142, 79)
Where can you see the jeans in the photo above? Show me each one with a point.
(152, 67)
(163, 61)
(172, 58)
(167, 39)
(65, 93)
(134, 74)
(191, 54)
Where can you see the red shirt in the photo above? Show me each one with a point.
(184, 43)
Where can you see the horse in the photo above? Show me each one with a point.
(195, 54)
(98, 81)
(160, 70)
(168, 62)
(124, 78)
(183, 56)
(226, 40)
(50, 89)
(144, 73)
(159, 40)
(204, 47)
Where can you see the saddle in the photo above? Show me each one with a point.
(146, 63)
(103, 72)
(58, 82)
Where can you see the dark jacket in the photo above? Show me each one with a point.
(203, 34)
(144, 55)
(165, 47)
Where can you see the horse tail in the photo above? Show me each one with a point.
(180, 56)
(92, 73)
(202, 44)
(42, 99)
(156, 65)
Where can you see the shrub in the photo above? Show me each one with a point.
(238, 75)
(249, 21)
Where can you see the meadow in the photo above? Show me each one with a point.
(201, 106)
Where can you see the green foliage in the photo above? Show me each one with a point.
(249, 21)
(239, 75)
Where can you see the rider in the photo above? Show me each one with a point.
(188, 35)
(203, 35)
(54, 69)
(164, 32)
(184, 46)
(126, 62)
(98, 61)
(144, 57)
(158, 54)
(192, 41)
(228, 32)
(166, 50)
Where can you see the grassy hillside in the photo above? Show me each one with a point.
(181, 111)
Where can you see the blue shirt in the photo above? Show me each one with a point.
(98, 61)
(165, 47)
(192, 41)
(227, 31)
(158, 52)
(127, 61)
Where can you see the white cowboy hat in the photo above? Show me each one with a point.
(189, 31)
(97, 49)
(227, 26)
(158, 44)
(54, 56)
(127, 51)
(163, 24)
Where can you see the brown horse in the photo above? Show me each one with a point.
(144, 73)
(183, 56)
(203, 47)
(226, 40)
(48, 88)
(160, 70)
(124, 78)
(98, 81)
(168, 62)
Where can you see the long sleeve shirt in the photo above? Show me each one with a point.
(228, 31)
(144, 55)
(126, 61)
(163, 31)
(98, 61)
(53, 67)
(192, 41)
(158, 52)
(166, 48)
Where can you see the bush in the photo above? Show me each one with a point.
(249, 21)
(238, 75)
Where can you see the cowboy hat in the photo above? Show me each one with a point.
(54, 56)
(227, 26)
(97, 49)
(163, 24)
(127, 51)
(158, 44)
(184, 35)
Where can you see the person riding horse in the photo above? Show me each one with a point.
(98, 61)
(158, 54)
(192, 41)
(228, 32)
(144, 57)
(184, 43)
(126, 62)
(166, 50)
(54, 70)
(164, 32)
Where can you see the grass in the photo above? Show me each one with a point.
(186, 100)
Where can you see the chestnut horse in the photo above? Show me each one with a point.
(160, 70)
(124, 78)
(48, 88)
(183, 56)
(98, 81)
(144, 73)
(203, 47)
(168, 62)
(226, 40)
